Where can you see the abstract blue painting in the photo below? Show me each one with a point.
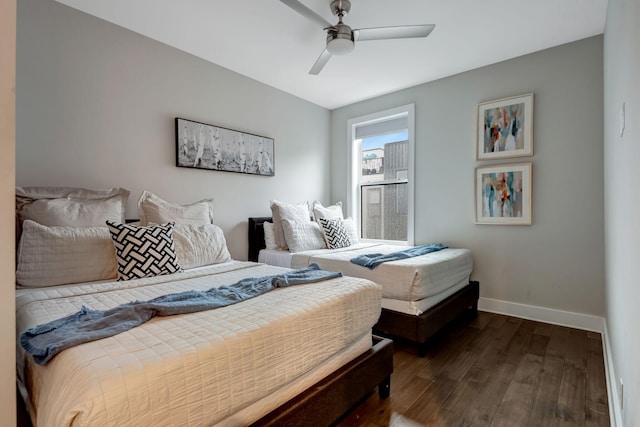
(505, 128)
(503, 194)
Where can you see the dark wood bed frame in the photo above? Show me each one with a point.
(415, 329)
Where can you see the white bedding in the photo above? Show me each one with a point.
(283, 258)
(410, 279)
(230, 365)
(278, 257)
(418, 307)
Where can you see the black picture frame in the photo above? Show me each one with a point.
(204, 146)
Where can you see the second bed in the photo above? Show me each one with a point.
(420, 295)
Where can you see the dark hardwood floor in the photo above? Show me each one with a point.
(495, 371)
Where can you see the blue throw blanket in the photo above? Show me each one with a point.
(45, 341)
(371, 261)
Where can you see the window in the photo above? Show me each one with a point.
(381, 174)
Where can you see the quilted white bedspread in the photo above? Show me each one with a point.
(188, 370)
(410, 279)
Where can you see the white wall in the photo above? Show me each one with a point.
(96, 106)
(7, 212)
(622, 200)
(558, 262)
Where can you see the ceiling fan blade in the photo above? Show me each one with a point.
(305, 11)
(402, 32)
(320, 62)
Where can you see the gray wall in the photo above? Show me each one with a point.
(96, 105)
(558, 262)
(622, 200)
(95, 108)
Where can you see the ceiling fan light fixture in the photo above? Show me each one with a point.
(340, 46)
(340, 39)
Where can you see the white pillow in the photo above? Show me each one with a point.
(269, 236)
(281, 211)
(198, 245)
(303, 235)
(49, 256)
(154, 210)
(350, 227)
(70, 207)
(26, 194)
(329, 212)
(74, 212)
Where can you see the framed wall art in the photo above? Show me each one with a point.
(203, 146)
(505, 128)
(503, 194)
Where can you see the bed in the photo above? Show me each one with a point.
(420, 295)
(298, 355)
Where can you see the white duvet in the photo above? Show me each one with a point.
(410, 279)
(189, 370)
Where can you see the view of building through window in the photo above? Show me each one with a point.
(383, 186)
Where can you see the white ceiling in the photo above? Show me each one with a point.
(269, 42)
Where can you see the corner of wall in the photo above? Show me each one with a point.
(615, 411)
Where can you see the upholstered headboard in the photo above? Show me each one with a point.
(256, 236)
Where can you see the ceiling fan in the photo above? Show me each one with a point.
(341, 38)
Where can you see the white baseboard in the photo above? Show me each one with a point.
(572, 320)
(615, 412)
(541, 314)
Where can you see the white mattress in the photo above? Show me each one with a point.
(199, 368)
(416, 308)
(410, 279)
(283, 258)
(276, 257)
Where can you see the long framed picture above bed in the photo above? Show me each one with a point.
(503, 194)
(204, 146)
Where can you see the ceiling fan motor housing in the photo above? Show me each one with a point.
(340, 7)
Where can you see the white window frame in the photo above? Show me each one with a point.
(354, 166)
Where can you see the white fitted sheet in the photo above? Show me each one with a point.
(411, 279)
(416, 308)
(276, 257)
(194, 369)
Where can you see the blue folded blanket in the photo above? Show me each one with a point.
(45, 341)
(371, 261)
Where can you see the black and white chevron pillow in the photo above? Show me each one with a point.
(335, 233)
(144, 251)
